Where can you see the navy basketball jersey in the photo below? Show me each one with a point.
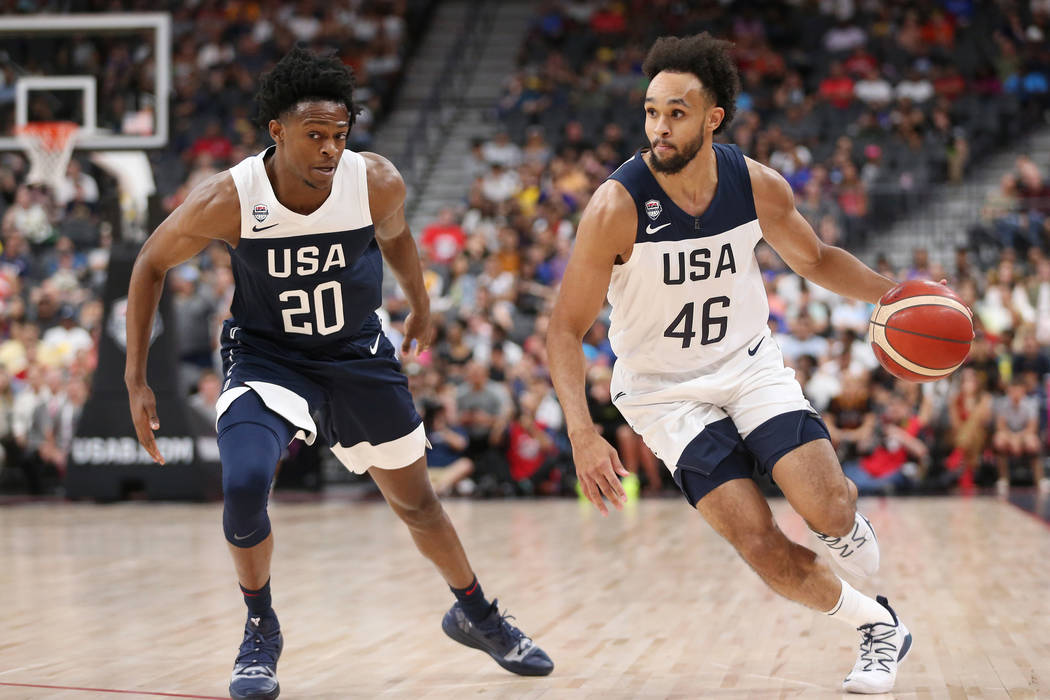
(305, 280)
(691, 292)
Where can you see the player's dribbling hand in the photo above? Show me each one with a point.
(597, 466)
(144, 415)
(417, 328)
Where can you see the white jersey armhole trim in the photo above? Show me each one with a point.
(362, 184)
(242, 175)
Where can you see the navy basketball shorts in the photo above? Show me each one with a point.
(354, 389)
(716, 424)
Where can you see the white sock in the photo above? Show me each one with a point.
(856, 609)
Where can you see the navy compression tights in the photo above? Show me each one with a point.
(251, 439)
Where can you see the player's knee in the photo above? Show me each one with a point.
(834, 513)
(421, 512)
(246, 493)
(836, 518)
(249, 454)
(244, 519)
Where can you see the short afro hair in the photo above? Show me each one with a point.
(304, 75)
(705, 57)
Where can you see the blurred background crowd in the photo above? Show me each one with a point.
(860, 105)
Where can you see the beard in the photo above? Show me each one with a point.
(679, 160)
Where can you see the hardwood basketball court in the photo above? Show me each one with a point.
(648, 603)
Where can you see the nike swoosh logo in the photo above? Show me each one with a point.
(516, 653)
(622, 393)
(752, 351)
(650, 230)
(262, 228)
(375, 345)
(244, 537)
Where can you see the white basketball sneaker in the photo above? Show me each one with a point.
(882, 648)
(858, 552)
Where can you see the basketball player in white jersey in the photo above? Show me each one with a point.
(670, 238)
(308, 225)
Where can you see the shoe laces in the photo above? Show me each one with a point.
(842, 544)
(508, 633)
(877, 646)
(827, 539)
(257, 649)
(836, 544)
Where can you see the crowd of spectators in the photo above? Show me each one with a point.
(1016, 214)
(859, 105)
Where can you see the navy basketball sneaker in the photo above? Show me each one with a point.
(495, 636)
(255, 670)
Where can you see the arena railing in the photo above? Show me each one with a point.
(446, 99)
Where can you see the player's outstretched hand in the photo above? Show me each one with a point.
(419, 329)
(597, 466)
(144, 415)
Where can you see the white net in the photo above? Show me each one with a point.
(49, 146)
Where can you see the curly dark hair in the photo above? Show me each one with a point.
(304, 75)
(705, 57)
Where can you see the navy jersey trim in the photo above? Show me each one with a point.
(661, 220)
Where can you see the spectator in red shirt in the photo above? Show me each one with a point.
(608, 20)
(837, 88)
(938, 30)
(444, 239)
(948, 83)
(212, 142)
(861, 62)
(892, 465)
(529, 447)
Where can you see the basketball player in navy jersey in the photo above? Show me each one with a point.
(670, 238)
(308, 225)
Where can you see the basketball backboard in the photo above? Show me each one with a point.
(108, 72)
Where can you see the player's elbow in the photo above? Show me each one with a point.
(556, 337)
(561, 330)
(561, 343)
(810, 261)
(148, 264)
(388, 241)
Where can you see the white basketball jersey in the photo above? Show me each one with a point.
(691, 293)
(305, 280)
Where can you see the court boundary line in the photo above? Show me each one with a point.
(112, 690)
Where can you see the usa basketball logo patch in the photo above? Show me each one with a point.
(653, 208)
(260, 212)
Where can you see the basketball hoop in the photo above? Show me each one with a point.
(49, 146)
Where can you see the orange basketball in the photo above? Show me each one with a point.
(921, 331)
